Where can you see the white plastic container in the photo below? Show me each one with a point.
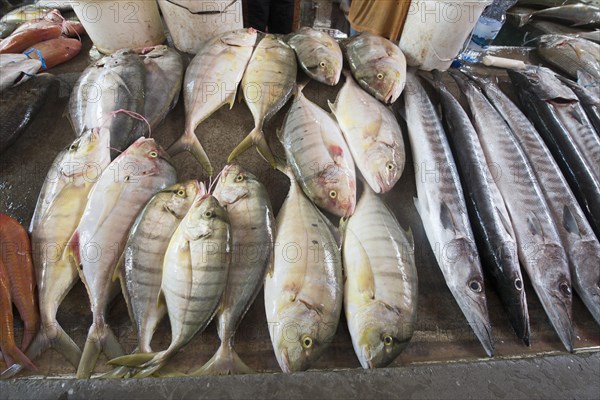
(194, 22)
(118, 24)
(436, 30)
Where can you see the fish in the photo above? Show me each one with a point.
(194, 278)
(21, 40)
(520, 16)
(140, 266)
(378, 65)
(304, 284)
(539, 244)
(441, 205)
(319, 157)
(381, 285)
(319, 55)
(26, 13)
(573, 56)
(10, 351)
(581, 245)
(113, 83)
(549, 27)
(252, 227)
(589, 100)
(164, 76)
(16, 256)
(373, 136)
(552, 108)
(16, 69)
(7, 28)
(490, 219)
(267, 85)
(555, 3)
(19, 105)
(55, 51)
(583, 15)
(211, 81)
(59, 207)
(114, 202)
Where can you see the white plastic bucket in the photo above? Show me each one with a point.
(193, 22)
(436, 30)
(118, 24)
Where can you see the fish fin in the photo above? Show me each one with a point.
(224, 362)
(189, 142)
(410, 237)
(507, 225)
(299, 86)
(132, 360)
(169, 372)
(118, 272)
(100, 339)
(160, 300)
(116, 373)
(446, 217)
(585, 79)
(332, 107)
(71, 252)
(362, 265)
(569, 222)
(254, 138)
(342, 225)
(311, 306)
(535, 227)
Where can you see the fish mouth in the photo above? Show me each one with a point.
(285, 361)
(391, 93)
(367, 359)
(558, 311)
(477, 316)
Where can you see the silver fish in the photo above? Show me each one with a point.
(319, 55)
(303, 288)
(442, 208)
(380, 290)
(113, 204)
(319, 157)
(252, 226)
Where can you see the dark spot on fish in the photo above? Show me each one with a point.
(315, 242)
(565, 288)
(315, 225)
(253, 228)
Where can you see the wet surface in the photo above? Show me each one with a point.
(442, 333)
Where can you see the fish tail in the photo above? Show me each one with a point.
(116, 373)
(134, 360)
(225, 362)
(189, 142)
(100, 339)
(254, 138)
(13, 355)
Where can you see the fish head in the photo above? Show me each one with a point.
(335, 190)
(205, 217)
(325, 64)
(240, 37)
(181, 196)
(235, 184)
(300, 337)
(467, 286)
(385, 166)
(89, 153)
(383, 78)
(382, 333)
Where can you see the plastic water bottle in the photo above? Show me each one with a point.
(489, 24)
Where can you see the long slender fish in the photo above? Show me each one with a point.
(489, 217)
(442, 208)
(194, 279)
(141, 265)
(210, 82)
(381, 289)
(378, 65)
(549, 106)
(113, 204)
(113, 83)
(15, 252)
(539, 245)
(267, 85)
(319, 55)
(319, 157)
(373, 136)
(581, 245)
(304, 287)
(10, 351)
(59, 208)
(572, 14)
(589, 100)
(251, 217)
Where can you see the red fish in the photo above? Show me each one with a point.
(55, 51)
(22, 40)
(15, 254)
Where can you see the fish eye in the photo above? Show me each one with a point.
(307, 342)
(126, 179)
(390, 166)
(380, 76)
(565, 288)
(322, 64)
(181, 193)
(73, 147)
(333, 194)
(239, 178)
(475, 286)
(388, 340)
(519, 284)
(208, 214)
(153, 154)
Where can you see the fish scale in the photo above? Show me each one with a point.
(531, 218)
(442, 208)
(581, 246)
